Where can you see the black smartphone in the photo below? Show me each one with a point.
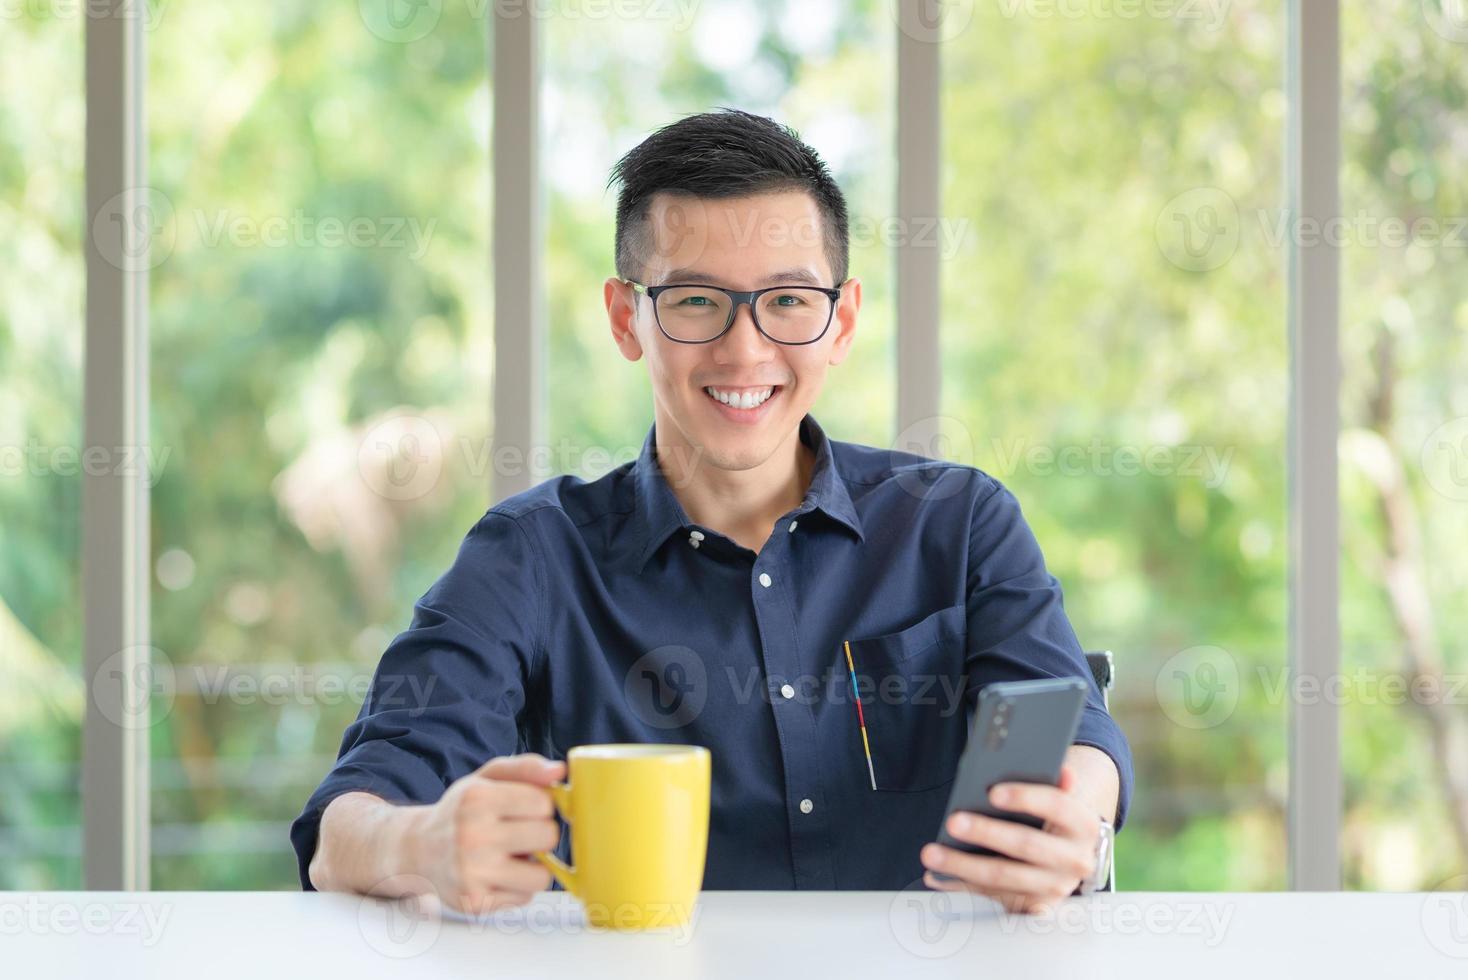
(1020, 734)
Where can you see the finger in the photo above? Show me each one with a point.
(1023, 843)
(1016, 904)
(516, 800)
(1062, 812)
(519, 875)
(527, 836)
(1011, 901)
(944, 884)
(526, 768)
(994, 874)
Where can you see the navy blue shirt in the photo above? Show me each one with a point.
(581, 612)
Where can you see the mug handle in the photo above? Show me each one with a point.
(560, 870)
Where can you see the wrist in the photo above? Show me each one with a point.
(363, 842)
(326, 870)
(398, 841)
(1098, 782)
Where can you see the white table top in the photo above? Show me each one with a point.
(758, 935)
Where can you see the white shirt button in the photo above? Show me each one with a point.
(696, 535)
(806, 806)
(693, 541)
(791, 528)
(787, 692)
(764, 579)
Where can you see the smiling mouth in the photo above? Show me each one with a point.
(742, 399)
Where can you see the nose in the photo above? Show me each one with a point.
(743, 342)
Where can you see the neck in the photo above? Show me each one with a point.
(742, 505)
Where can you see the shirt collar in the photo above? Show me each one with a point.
(656, 512)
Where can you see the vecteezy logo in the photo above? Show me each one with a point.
(1199, 687)
(1448, 18)
(1445, 459)
(1445, 917)
(679, 234)
(931, 21)
(1198, 230)
(135, 687)
(400, 21)
(937, 437)
(667, 687)
(134, 230)
(404, 927)
(931, 924)
(679, 227)
(401, 457)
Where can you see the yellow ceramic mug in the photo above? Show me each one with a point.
(639, 817)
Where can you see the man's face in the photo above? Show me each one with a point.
(743, 244)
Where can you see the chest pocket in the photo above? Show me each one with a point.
(911, 684)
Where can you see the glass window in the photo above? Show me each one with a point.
(1115, 351)
(1404, 444)
(1113, 247)
(42, 697)
(321, 359)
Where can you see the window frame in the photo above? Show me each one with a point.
(115, 543)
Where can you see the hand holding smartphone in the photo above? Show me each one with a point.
(1021, 732)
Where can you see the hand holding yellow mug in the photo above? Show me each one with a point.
(639, 817)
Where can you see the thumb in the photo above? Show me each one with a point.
(529, 767)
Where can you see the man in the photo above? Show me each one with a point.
(708, 593)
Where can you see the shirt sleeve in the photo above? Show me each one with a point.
(449, 692)
(1018, 629)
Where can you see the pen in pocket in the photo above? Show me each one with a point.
(860, 717)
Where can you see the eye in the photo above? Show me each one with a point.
(792, 297)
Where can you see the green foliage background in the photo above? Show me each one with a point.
(1064, 326)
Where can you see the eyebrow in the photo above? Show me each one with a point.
(784, 276)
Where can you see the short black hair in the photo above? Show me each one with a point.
(723, 154)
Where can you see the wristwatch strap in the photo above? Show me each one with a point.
(1101, 872)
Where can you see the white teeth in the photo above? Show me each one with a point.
(745, 399)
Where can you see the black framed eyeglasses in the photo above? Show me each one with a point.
(695, 313)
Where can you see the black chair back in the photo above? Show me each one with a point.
(1103, 668)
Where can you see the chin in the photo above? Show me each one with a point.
(731, 450)
(737, 457)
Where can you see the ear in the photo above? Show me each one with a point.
(846, 310)
(621, 303)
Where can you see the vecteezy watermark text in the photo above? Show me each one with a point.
(1097, 458)
(301, 230)
(37, 915)
(1201, 687)
(35, 458)
(1202, 228)
(406, 21)
(149, 13)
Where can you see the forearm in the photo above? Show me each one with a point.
(364, 845)
(1097, 781)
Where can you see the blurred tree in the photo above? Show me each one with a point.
(284, 359)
